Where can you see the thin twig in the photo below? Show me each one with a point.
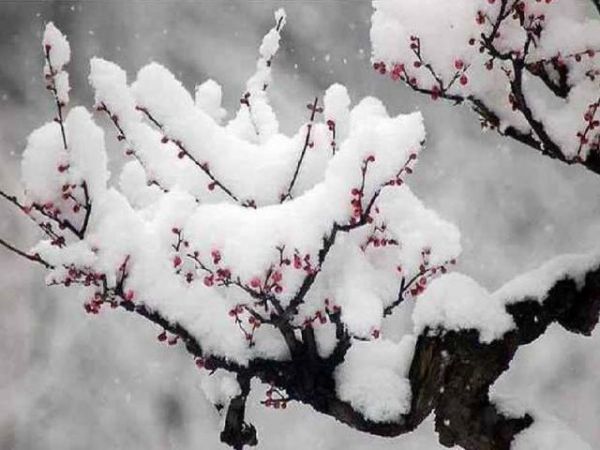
(54, 90)
(202, 166)
(34, 258)
(313, 110)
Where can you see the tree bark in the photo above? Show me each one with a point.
(452, 372)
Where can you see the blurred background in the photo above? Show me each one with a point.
(68, 381)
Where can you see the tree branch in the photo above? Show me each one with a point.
(34, 258)
(59, 104)
(313, 111)
(236, 432)
(121, 136)
(450, 374)
(204, 167)
(452, 371)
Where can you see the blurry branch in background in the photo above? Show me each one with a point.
(493, 74)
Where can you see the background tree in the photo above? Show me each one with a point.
(176, 262)
(529, 69)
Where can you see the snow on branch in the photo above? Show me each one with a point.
(508, 60)
(256, 120)
(279, 257)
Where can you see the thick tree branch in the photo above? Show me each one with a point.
(452, 371)
(237, 433)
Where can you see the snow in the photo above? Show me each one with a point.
(549, 434)
(158, 91)
(47, 167)
(159, 160)
(536, 284)
(373, 378)
(546, 433)
(87, 154)
(418, 227)
(133, 183)
(255, 121)
(62, 86)
(161, 190)
(58, 53)
(457, 302)
(42, 157)
(220, 387)
(336, 107)
(208, 98)
(57, 45)
(362, 307)
(110, 88)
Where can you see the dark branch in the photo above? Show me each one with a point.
(121, 136)
(307, 142)
(34, 258)
(549, 147)
(59, 104)
(88, 210)
(560, 87)
(204, 167)
(236, 432)
(452, 371)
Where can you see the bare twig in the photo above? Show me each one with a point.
(59, 104)
(203, 166)
(287, 195)
(34, 258)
